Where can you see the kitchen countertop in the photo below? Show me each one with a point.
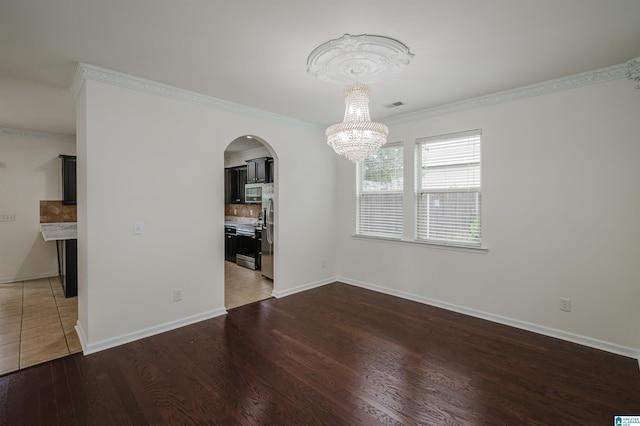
(238, 220)
(59, 231)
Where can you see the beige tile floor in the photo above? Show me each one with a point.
(243, 286)
(36, 323)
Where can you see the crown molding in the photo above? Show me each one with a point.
(633, 70)
(551, 86)
(78, 79)
(40, 135)
(114, 78)
(91, 72)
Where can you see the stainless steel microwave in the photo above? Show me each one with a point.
(253, 193)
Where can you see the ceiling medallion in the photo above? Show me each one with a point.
(357, 60)
(363, 58)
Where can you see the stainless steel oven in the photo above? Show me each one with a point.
(246, 244)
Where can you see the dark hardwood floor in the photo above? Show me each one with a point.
(335, 355)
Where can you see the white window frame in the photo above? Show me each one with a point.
(391, 226)
(442, 228)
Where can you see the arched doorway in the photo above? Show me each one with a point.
(250, 182)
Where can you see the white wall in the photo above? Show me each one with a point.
(160, 160)
(30, 171)
(561, 196)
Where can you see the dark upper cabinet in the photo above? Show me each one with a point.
(68, 179)
(227, 186)
(234, 180)
(259, 171)
(270, 174)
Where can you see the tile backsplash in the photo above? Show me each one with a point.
(53, 211)
(242, 210)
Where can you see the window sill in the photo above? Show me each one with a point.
(481, 249)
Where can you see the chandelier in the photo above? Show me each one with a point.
(357, 137)
(357, 60)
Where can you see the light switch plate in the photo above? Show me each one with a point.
(177, 295)
(8, 217)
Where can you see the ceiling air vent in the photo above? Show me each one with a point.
(395, 104)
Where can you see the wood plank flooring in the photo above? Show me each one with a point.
(334, 355)
(37, 322)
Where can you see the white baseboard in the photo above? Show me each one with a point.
(82, 336)
(278, 294)
(89, 348)
(546, 331)
(28, 277)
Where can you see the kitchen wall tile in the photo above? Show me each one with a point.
(53, 211)
(242, 210)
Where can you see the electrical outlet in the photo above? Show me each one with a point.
(565, 304)
(177, 295)
(8, 217)
(324, 264)
(138, 228)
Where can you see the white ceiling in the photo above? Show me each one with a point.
(254, 52)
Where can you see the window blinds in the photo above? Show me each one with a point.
(448, 186)
(380, 193)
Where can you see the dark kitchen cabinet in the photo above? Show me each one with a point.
(228, 184)
(234, 180)
(230, 243)
(258, 170)
(270, 174)
(69, 278)
(68, 179)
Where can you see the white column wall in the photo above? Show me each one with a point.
(160, 161)
(82, 204)
(561, 197)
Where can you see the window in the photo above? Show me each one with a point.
(448, 189)
(380, 185)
